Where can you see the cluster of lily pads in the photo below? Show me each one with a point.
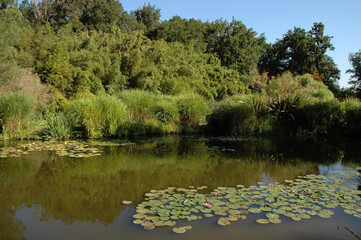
(6, 152)
(75, 149)
(306, 196)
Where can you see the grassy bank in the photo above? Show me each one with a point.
(302, 107)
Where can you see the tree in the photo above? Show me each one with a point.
(95, 15)
(236, 46)
(5, 4)
(355, 71)
(15, 47)
(101, 14)
(302, 52)
(183, 30)
(39, 13)
(149, 16)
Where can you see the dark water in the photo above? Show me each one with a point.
(44, 196)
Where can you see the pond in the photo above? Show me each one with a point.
(222, 188)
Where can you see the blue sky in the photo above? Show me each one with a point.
(342, 19)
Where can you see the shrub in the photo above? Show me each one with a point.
(284, 109)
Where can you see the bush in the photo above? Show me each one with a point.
(98, 116)
(284, 109)
(16, 116)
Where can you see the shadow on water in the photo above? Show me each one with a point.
(92, 189)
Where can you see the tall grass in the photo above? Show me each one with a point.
(58, 126)
(192, 111)
(150, 113)
(166, 110)
(97, 117)
(320, 118)
(158, 113)
(239, 114)
(352, 116)
(304, 86)
(140, 103)
(17, 116)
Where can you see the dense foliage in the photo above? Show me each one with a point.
(105, 72)
(300, 52)
(355, 60)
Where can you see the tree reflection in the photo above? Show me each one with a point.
(92, 189)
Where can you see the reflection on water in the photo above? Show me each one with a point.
(91, 190)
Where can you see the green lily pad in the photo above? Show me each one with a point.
(223, 222)
(296, 218)
(272, 215)
(179, 230)
(137, 221)
(275, 220)
(232, 218)
(262, 221)
(254, 210)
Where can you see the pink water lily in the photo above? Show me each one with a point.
(207, 205)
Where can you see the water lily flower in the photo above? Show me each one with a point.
(207, 205)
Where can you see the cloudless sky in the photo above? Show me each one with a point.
(342, 19)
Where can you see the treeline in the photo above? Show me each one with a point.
(79, 66)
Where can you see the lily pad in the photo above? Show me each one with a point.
(182, 229)
(223, 222)
(262, 221)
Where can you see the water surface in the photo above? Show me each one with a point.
(45, 196)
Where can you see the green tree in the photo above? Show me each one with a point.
(302, 52)
(102, 14)
(15, 47)
(355, 71)
(149, 16)
(98, 15)
(186, 31)
(5, 4)
(236, 46)
(39, 13)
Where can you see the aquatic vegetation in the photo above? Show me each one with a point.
(75, 149)
(299, 199)
(70, 149)
(182, 229)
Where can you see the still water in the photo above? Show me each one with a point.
(46, 196)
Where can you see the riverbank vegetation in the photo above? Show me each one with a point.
(91, 69)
